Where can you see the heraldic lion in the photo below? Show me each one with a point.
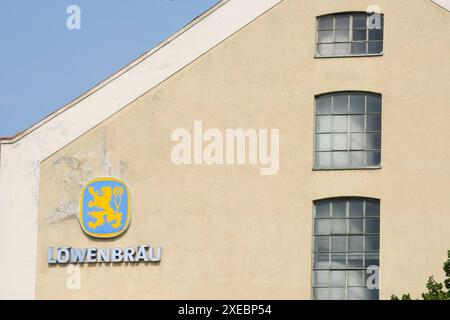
(102, 200)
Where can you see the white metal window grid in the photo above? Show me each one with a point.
(349, 131)
(363, 270)
(350, 39)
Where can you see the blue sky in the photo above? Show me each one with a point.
(44, 65)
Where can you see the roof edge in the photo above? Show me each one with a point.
(115, 75)
(444, 4)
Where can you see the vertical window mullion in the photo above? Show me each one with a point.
(334, 38)
(332, 134)
(346, 285)
(365, 130)
(348, 127)
(367, 37)
(364, 233)
(351, 33)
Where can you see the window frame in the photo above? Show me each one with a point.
(347, 253)
(316, 42)
(314, 151)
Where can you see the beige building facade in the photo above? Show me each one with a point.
(226, 230)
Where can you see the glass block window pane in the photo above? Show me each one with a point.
(375, 47)
(323, 226)
(375, 34)
(338, 278)
(359, 35)
(339, 208)
(323, 159)
(355, 278)
(323, 142)
(342, 35)
(342, 49)
(372, 259)
(340, 103)
(346, 248)
(355, 261)
(323, 105)
(359, 48)
(356, 208)
(372, 243)
(337, 293)
(325, 23)
(373, 158)
(340, 141)
(322, 278)
(339, 226)
(357, 159)
(357, 141)
(374, 122)
(357, 123)
(372, 208)
(355, 243)
(340, 159)
(359, 21)
(342, 21)
(322, 260)
(373, 103)
(373, 141)
(356, 293)
(372, 225)
(348, 130)
(340, 123)
(322, 209)
(323, 244)
(356, 226)
(338, 261)
(349, 35)
(358, 103)
(338, 244)
(325, 49)
(322, 293)
(325, 36)
(323, 124)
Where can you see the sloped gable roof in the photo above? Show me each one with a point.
(443, 3)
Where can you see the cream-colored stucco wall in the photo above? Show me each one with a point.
(228, 232)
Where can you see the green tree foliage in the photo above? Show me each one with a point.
(436, 290)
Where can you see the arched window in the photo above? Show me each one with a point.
(348, 130)
(346, 249)
(350, 34)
